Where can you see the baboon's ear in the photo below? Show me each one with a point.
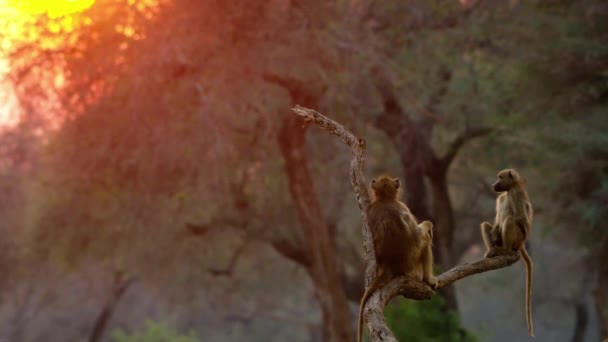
(510, 174)
(397, 183)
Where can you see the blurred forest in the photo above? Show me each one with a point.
(156, 187)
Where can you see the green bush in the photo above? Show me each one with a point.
(425, 321)
(154, 332)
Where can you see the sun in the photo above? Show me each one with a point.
(54, 8)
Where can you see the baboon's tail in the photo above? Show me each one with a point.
(529, 265)
(360, 321)
(377, 283)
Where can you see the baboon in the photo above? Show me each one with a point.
(402, 247)
(426, 257)
(512, 227)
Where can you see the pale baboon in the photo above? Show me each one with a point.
(401, 246)
(512, 227)
(426, 257)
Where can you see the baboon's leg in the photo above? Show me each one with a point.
(512, 237)
(427, 265)
(486, 233)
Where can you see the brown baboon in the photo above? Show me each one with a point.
(402, 247)
(512, 227)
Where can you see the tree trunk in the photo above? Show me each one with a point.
(581, 321)
(415, 195)
(323, 266)
(120, 286)
(601, 292)
(444, 226)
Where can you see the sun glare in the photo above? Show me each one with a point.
(21, 25)
(15, 16)
(54, 8)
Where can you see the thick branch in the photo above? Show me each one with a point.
(465, 136)
(288, 249)
(407, 287)
(478, 266)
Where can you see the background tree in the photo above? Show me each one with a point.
(155, 140)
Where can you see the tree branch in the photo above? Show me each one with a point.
(465, 136)
(407, 287)
(228, 270)
(288, 249)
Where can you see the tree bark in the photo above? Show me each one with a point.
(323, 266)
(601, 292)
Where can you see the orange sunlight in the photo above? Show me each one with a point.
(19, 20)
(15, 16)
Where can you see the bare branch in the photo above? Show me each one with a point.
(197, 229)
(234, 258)
(291, 251)
(407, 287)
(478, 266)
(288, 249)
(120, 284)
(465, 136)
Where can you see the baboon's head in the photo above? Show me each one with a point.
(386, 187)
(507, 179)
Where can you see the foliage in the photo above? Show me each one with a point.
(154, 332)
(425, 321)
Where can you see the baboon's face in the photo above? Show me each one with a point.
(505, 181)
(386, 187)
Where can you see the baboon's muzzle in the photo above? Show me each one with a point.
(499, 187)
